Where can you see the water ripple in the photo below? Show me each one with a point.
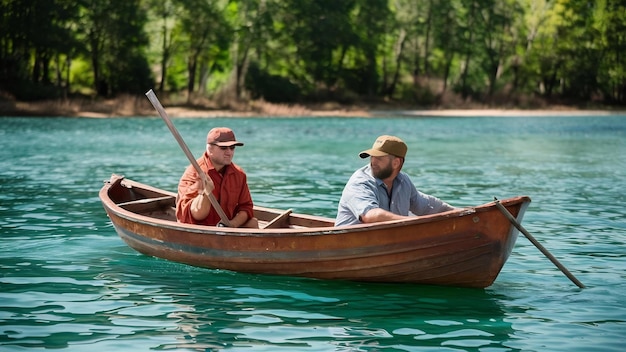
(68, 282)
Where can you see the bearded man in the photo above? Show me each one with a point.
(380, 191)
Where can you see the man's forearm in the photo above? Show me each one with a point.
(239, 219)
(378, 214)
(200, 207)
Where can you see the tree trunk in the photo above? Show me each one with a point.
(427, 40)
(389, 90)
(468, 53)
(191, 80)
(204, 76)
(241, 63)
(166, 55)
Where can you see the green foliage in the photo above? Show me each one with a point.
(303, 50)
(272, 88)
(116, 39)
(176, 80)
(81, 77)
(24, 90)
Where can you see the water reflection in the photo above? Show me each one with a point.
(218, 309)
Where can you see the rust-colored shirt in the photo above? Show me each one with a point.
(231, 191)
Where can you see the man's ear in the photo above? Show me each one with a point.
(397, 162)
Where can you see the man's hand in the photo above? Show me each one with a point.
(201, 205)
(205, 187)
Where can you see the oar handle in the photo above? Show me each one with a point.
(532, 239)
(159, 108)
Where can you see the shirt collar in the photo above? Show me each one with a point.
(227, 169)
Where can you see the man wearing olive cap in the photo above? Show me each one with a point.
(379, 191)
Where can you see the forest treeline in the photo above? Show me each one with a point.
(416, 51)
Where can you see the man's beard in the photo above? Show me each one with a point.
(383, 173)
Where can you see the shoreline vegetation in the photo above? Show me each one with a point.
(139, 106)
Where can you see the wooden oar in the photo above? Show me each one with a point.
(537, 244)
(159, 108)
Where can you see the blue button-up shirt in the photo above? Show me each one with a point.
(364, 192)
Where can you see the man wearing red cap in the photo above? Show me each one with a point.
(226, 181)
(379, 191)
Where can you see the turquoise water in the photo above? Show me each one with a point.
(68, 282)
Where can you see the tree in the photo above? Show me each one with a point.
(41, 31)
(253, 29)
(579, 51)
(115, 33)
(372, 21)
(448, 36)
(207, 38)
(496, 17)
(165, 13)
(322, 32)
(611, 22)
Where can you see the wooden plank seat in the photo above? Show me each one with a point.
(280, 221)
(146, 204)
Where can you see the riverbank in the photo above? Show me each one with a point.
(139, 106)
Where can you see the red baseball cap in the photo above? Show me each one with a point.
(222, 136)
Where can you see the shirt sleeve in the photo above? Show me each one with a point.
(425, 204)
(245, 199)
(359, 196)
(363, 199)
(186, 195)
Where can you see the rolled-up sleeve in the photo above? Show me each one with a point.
(186, 195)
(359, 196)
(425, 204)
(244, 200)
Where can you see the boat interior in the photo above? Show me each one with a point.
(145, 200)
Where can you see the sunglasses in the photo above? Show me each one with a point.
(232, 147)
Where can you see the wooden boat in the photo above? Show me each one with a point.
(465, 247)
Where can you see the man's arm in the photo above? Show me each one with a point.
(200, 206)
(378, 214)
(239, 219)
(425, 204)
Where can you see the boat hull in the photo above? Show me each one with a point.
(466, 247)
